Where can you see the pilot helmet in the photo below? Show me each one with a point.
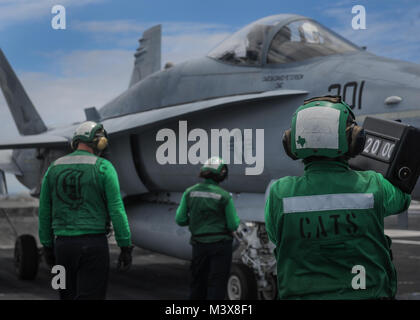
(214, 168)
(91, 133)
(324, 127)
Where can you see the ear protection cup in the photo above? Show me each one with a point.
(223, 173)
(73, 144)
(287, 145)
(102, 143)
(357, 140)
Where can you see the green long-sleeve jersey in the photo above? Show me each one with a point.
(209, 212)
(328, 228)
(80, 193)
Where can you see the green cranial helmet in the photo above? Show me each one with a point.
(91, 133)
(214, 168)
(319, 128)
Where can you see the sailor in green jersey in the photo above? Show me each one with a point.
(328, 225)
(80, 194)
(209, 212)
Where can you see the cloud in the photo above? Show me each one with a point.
(133, 26)
(389, 33)
(114, 26)
(180, 40)
(84, 79)
(16, 11)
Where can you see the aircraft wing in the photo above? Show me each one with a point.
(33, 141)
(138, 121)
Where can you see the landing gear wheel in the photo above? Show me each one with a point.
(241, 283)
(270, 293)
(26, 257)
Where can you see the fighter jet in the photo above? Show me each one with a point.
(236, 102)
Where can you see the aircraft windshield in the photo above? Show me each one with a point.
(304, 39)
(244, 47)
(296, 41)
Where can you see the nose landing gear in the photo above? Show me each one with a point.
(252, 273)
(241, 283)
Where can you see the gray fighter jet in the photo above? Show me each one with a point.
(236, 103)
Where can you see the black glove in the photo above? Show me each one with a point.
(49, 256)
(125, 259)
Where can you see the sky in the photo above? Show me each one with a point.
(90, 62)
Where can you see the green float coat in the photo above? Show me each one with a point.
(325, 223)
(209, 211)
(80, 193)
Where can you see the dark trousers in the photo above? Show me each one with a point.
(210, 268)
(86, 261)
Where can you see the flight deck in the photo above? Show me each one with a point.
(158, 277)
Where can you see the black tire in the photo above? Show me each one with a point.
(26, 257)
(241, 284)
(270, 293)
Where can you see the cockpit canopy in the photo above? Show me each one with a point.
(272, 41)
